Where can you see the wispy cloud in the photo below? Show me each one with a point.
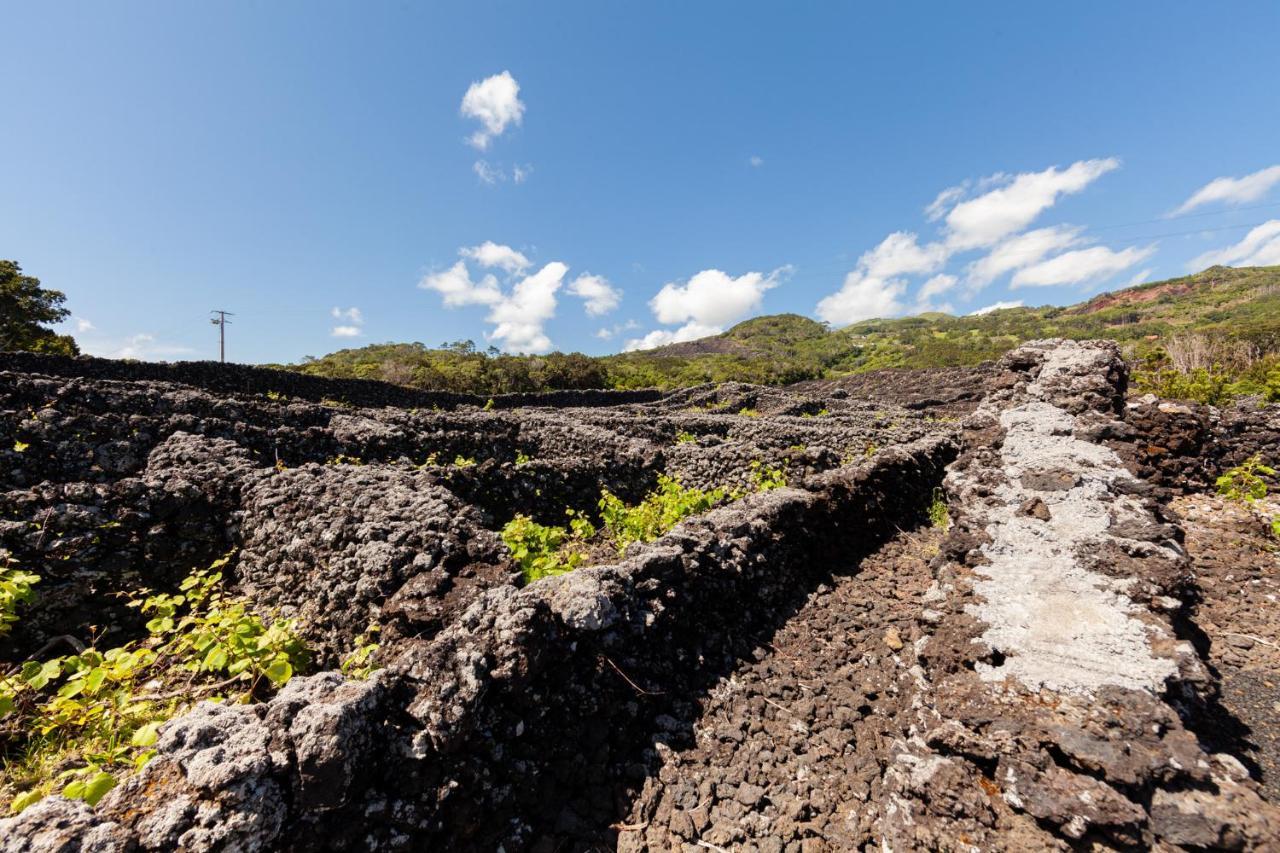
(143, 346)
(1021, 250)
(992, 214)
(487, 173)
(609, 332)
(353, 327)
(996, 306)
(1015, 204)
(1081, 266)
(1259, 248)
(1240, 190)
(492, 174)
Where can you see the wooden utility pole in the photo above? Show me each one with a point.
(221, 322)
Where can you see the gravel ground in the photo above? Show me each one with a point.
(788, 746)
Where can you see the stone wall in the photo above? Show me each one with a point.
(249, 379)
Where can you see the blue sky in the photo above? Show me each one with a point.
(648, 171)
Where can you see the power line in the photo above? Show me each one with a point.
(1186, 216)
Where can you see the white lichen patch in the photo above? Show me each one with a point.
(1060, 626)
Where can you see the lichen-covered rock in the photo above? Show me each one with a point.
(231, 777)
(329, 545)
(57, 825)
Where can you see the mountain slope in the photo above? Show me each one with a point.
(1224, 315)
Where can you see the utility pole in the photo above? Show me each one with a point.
(221, 322)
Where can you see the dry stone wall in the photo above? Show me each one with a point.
(800, 670)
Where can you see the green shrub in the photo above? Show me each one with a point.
(80, 720)
(343, 459)
(660, 511)
(1244, 483)
(15, 589)
(683, 437)
(939, 515)
(541, 550)
(765, 478)
(359, 663)
(1212, 387)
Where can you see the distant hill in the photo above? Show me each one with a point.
(1227, 314)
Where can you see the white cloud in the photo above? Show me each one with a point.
(712, 297)
(937, 286)
(353, 328)
(997, 306)
(756, 161)
(491, 254)
(608, 332)
(519, 318)
(83, 325)
(862, 297)
(495, 103)
(1139, 277)
(518, 315)
(492, 174)
(457, 288)
(662, 337)
(487, 174)
(943, 202)
(1021, 250)
(899, 254)
(1080, 265)
(873, 288)
(706, 304)
(142, 346)
(985, 220)
(1259, 248)
(1233, 190)
(599, 296)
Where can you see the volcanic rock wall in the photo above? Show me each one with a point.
(221, 378)
(527, 720)
(1045, 690)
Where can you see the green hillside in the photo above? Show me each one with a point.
(1223, 321)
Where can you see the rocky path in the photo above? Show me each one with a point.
(791, 746)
